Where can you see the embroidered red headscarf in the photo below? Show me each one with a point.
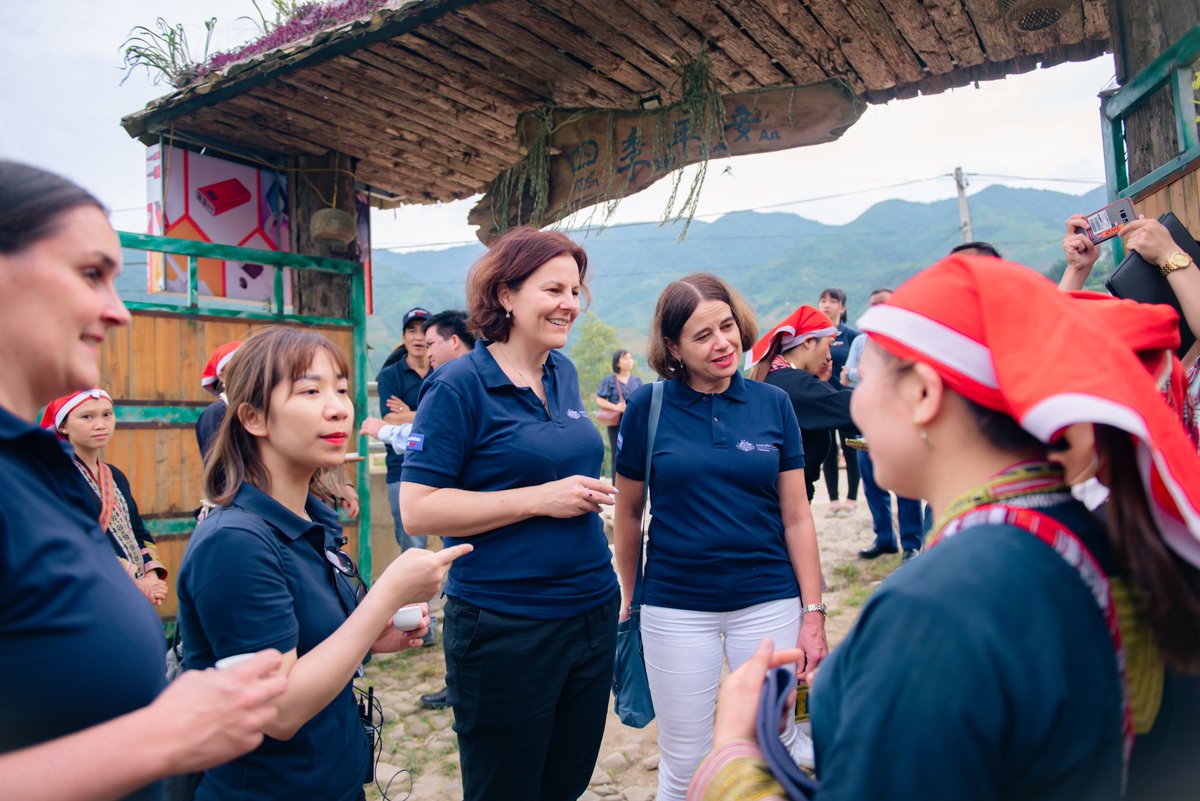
(804, 323)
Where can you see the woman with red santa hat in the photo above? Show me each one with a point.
(1029, 654)
(86, 420)
(211, 380)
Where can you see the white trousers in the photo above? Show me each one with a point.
(684, 654)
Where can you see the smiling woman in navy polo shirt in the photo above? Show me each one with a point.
(732, 556)
(83, 709)
(264, 570)
(503, 453)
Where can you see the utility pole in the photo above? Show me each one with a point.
(964, 213)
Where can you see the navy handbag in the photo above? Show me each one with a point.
(631, 688)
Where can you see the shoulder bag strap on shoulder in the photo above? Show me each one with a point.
(656, 390)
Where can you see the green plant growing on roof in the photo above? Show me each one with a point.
(164, 52)
(284, 10)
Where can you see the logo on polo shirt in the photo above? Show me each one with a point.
(749, 447)
(577, 414)
(415, 442)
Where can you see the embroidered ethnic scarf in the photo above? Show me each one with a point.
(114, 517)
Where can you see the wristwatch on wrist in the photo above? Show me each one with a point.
(1176, 261)
(822, 608)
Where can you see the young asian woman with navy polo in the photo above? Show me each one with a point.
(266, 569)
(503, 455)
(732, 552)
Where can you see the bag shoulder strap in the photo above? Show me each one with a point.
(656, 393)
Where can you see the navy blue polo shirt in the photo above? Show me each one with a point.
(839, 351)
(209, 424)
(79, 644)
(475, 430)
(256, 576)
(397, 378)
(716, 535)
(982, 670)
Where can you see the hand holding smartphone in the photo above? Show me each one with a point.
(1107, 222)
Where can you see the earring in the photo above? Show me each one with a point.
(925, 438)
(508, 315)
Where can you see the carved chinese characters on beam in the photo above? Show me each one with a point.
(598, 155)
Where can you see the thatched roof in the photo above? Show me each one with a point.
(426, 94)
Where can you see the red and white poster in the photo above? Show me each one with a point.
(207, 199)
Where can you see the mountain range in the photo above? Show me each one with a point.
(777, 260)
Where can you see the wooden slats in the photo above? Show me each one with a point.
(715, 26)
(572, 84)
(580, 44)
(772, 36)
(431, 114)
(872, 68)
(620, 38)
(914, 24)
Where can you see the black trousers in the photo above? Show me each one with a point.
(831, 465)
(530, 699)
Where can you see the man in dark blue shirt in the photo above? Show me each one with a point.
(399, 384)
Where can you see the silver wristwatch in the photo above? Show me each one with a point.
(822, 608)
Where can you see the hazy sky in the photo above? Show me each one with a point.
(62, 100)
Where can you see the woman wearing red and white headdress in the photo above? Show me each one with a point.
(795, 357)
(86, 420)
(212, 381)
(1022, 657)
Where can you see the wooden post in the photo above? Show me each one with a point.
(316, 183)
(1141, 31)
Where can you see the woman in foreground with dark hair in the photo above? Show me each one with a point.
(84, 708)
(503, 455)
(1021, 657)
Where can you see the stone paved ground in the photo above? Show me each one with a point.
(420, 753)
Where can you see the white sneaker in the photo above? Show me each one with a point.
(802, 751)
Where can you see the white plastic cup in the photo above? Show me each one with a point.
(408, 617)
(232, 661)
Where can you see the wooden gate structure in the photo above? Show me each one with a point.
(152, 369)
(427, 101)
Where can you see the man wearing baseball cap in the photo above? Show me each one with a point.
(399, 385)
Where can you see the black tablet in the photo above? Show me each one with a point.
(1137, 279)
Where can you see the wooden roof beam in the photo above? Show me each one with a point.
(798, 20)
(788, 54)
(645, 19)
(417, 133)
(572, 84)
(715, 26)
(621, 40)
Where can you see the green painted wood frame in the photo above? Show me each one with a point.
(174, 415)
(1174, 66)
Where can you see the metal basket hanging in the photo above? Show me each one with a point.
(1033, 15)
(333, 226)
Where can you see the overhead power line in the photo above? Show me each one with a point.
(784, 204)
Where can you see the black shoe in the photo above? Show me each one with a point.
(910, 553)
(876, 551)
(435, 700)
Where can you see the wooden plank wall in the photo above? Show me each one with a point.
(1182, 196)
(157, 361)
